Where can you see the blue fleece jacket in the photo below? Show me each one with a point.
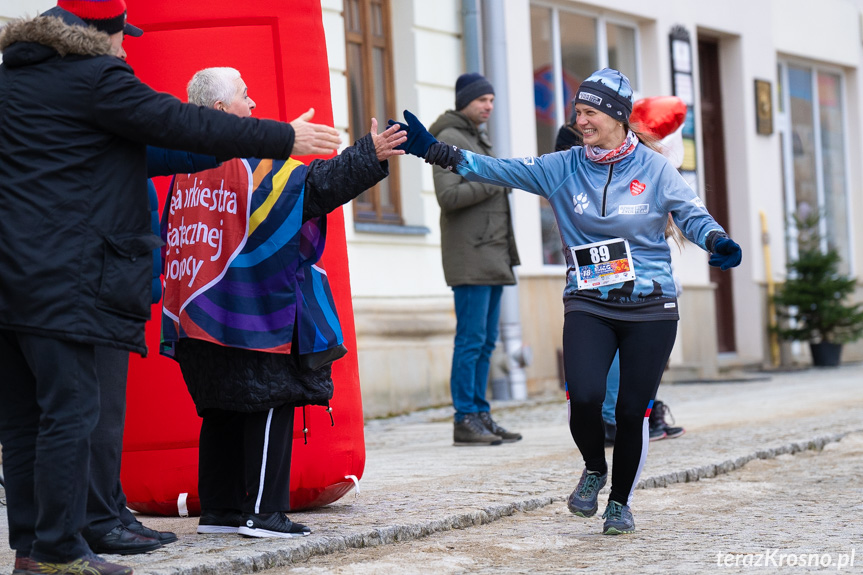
(592, 202)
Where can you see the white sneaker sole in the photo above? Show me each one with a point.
(216, 529)
(250, 532)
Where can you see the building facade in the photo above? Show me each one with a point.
(773, 130)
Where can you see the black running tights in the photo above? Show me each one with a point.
(589, 345)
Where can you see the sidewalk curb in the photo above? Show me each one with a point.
(400, 533)
(729, 465)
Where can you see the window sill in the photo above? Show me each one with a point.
(389, 229)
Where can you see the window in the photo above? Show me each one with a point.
(371, 95)
(812, 128)
(567, 47)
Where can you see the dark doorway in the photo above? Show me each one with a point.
(715, 188)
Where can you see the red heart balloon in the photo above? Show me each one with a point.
(659, 115)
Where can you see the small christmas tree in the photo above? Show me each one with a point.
(814, 294)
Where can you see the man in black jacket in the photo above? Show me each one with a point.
(75, 246)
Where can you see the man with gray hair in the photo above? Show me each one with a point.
(254, 328)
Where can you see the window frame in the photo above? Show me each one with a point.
(602, 21)
(368, 208)
(784, 129)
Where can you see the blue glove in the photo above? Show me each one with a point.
(419, 140)
(726, 254)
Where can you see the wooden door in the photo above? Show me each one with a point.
(715, 183)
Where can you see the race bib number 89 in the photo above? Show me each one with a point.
(603, 263)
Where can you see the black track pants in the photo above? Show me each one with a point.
(589, 345)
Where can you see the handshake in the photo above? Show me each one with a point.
(422, 144)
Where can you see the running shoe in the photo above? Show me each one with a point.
(582, 501)
(618, 519)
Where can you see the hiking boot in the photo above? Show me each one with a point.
(610, 433)
(582, 501)
(91, 565)
(618, 519)
(656, 433)
(220, 521)
(491, 425)
(471, 431)
(657, 422)
(272, 525)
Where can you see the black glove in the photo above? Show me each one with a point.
(419, 140)
(725, 254)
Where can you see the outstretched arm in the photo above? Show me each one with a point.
(313, 138)
(331, 183)
(540, 176)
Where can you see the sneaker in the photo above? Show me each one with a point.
(91, 565)
(618, 519)
(610, 433)
(582, 501)
(220, 521)
(491, 425)
(272, 525)
(656, 433)
(471, 431)
(657, 421)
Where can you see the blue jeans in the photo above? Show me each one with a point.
(477, 311)
(612, 386)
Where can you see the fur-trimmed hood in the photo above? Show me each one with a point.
(32, 40)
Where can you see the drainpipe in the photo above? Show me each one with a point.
(494, 44)
(472, 40)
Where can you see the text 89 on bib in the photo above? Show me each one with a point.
(603, 263)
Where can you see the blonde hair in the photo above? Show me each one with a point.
(652, 142)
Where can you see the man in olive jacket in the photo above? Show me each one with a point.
(478, 250)
(76, 249)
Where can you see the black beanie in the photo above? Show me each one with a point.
(567, 137)
(469, 87)
(608, 91)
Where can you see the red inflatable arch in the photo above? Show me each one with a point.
(280, 50)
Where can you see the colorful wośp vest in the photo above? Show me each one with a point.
(239, 263)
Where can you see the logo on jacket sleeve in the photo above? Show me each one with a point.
(636, 187)
(580, 202)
